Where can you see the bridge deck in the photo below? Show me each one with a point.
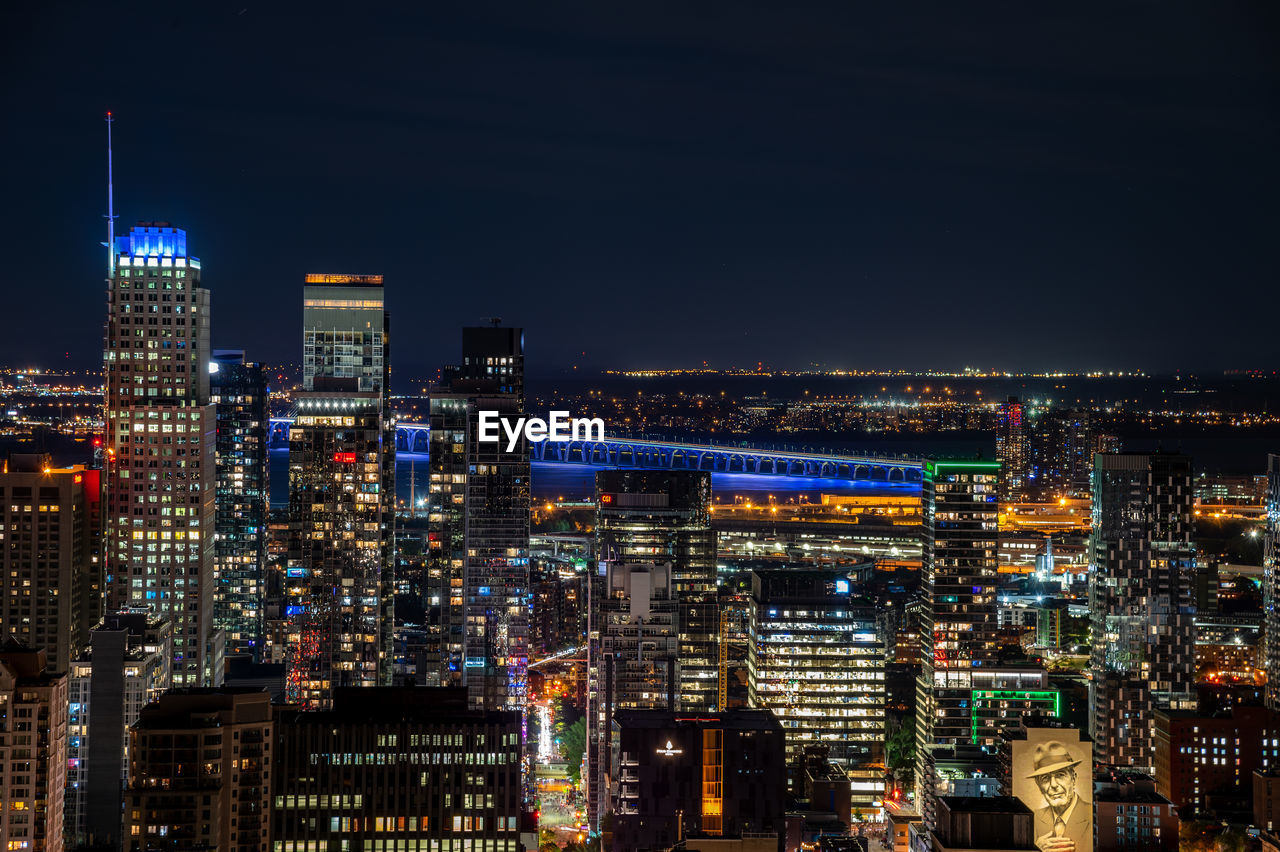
(414, 439)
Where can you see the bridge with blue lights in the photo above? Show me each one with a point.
(413, 441)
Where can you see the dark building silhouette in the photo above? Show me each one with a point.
(684, 777)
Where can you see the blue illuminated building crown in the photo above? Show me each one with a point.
(153, 239)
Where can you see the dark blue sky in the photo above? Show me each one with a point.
(651, 184)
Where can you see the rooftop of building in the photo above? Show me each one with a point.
(29, 665)
(737, 719)
(204, 707)
(984, 805)
(37, 463)
(415, 704)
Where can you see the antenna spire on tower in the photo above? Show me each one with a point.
(111, 212)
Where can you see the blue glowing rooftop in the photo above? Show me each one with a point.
(153, 239)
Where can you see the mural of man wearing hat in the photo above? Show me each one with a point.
(1065, 823)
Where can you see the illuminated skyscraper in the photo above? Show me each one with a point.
(1142, 570)
(478, 591)
(239, 394)
(160, 444)
(665, 516)
(958, 619)
(1013, 449)
(339, 569)
(1271, 583)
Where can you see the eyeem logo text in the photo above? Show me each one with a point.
(561, 427)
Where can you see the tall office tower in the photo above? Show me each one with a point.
(200, 772)
(340, 567)
(631, 659)
(126, 667)
(1271, 584)
(816, 661)
(427, 774)
(958, 620)
(49, 518)
(665, 516)
(1142, 570)
(1013, 449)
(478, 520)
(239, 394)
(160, 445)
(33, 759)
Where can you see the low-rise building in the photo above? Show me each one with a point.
(1130, 815)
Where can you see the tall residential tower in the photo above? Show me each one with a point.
(478, 564)
(958, 607)
(1142, 570)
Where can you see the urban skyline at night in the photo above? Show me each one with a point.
(663, 428)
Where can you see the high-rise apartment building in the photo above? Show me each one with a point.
(238, 390)
(160, 444)
(126, 666)
(958, 619)
(339, 574)
(665, 516)
(397, 768)
(1013, 449)
(33, 749)
(817, 662)
(1271, 584)
(1142, 570)
(49, 523)
(200, 772)
(478, 591)
(631, 658)
(1063, 443)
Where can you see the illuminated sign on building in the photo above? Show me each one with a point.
(670, 751)
(320, 278)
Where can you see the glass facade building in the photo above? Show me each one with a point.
(339, 570)
(239, 393)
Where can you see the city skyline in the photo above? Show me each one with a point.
(808, 580)
(712, 161)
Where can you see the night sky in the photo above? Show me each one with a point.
(900, 184)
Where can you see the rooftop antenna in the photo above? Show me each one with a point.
(493, 321)
(111, 211)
